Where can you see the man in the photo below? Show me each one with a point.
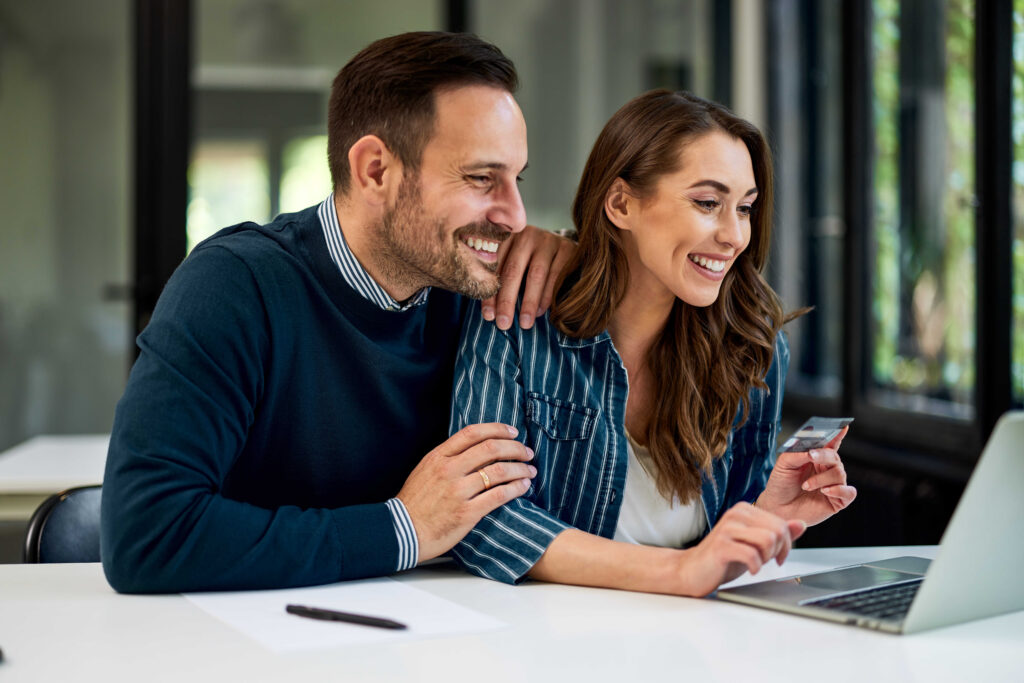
(282, 424)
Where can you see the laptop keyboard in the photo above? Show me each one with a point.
(884, 602)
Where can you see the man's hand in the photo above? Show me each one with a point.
(808, 485)
(446, 495)
(538, 255)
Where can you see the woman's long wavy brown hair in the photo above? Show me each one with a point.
(707, 359)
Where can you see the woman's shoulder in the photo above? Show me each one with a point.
(543, 332)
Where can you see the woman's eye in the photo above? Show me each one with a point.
(745, 210)
(707, 204)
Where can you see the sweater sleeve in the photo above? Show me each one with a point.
(488, 387)
(753, 444)
(182, 422)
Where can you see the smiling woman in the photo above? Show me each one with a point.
(652, 393)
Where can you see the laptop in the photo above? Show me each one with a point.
(977, 572)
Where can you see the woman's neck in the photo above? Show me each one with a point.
(638, 320)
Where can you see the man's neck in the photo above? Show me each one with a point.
(361, 232)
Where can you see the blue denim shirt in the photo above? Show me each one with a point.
(567, 398)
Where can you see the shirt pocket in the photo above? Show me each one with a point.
(560, 420)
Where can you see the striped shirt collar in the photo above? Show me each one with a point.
(352, 271)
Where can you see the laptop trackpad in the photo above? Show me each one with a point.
(851, 578)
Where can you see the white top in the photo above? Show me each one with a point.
(646, 516)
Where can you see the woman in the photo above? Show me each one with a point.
(651, 394)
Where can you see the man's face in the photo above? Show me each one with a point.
(448, 220)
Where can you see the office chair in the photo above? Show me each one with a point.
(65, 527)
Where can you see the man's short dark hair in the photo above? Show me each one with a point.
(389, 89)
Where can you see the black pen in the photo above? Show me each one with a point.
(347, 617)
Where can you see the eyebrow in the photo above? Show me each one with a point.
(720, 187)
(493, 166)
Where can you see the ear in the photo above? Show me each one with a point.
(375, 172)
(620, 205)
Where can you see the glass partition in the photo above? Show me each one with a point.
(65, 151)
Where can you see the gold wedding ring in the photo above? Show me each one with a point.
(487, 480)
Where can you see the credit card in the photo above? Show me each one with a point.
(817, 432)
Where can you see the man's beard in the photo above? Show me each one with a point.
(418, 251)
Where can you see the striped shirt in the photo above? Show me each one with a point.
(567, 398)
(358, 279)
(353, 272)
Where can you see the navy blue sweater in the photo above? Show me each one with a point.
(270, 414)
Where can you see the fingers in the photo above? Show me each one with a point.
(566, 248)
(836, 442)
(487, 308)
(768, 535)
(493, 451)
(496, 496)
(498, 473)
(518, 257)
(536, 280)
(830, 470)
(840, 496)
(474, 434)
(538, 256)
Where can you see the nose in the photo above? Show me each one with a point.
(733, 231)
(508, 209)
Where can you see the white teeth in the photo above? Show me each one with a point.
(481, 245)
(711, 264)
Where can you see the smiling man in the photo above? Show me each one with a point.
(286, 421)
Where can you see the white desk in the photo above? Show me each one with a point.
(44, 465)
(62, 622)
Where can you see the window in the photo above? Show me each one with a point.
(1018, 202)
(921, 337)
(262, 76)
(892, 221)
(65, 259)
(579, 62)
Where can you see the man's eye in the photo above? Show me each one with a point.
(481, 179)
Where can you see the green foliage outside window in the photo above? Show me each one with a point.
(924, 284)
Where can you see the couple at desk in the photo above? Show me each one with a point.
(318, 399)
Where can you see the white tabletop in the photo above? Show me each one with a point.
(64, 622)
(48, 464)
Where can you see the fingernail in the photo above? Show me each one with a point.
(533, 470)
(815, 455)
(512, 430)
(806, 486)
(540, 312)
(526, 321)
(503, 322)
(488, 313)
(530, 451)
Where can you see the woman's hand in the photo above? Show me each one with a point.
(808, 485)
(538, 256)
(744, 539)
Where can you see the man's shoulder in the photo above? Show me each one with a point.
(249, 239)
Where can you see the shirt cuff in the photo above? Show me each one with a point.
(408, 544)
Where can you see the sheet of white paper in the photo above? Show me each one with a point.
(261, 616)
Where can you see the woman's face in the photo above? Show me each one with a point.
(687, 235)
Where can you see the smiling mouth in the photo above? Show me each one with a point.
(713, 265)
(477, 244)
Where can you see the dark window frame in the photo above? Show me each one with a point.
(926, 443)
